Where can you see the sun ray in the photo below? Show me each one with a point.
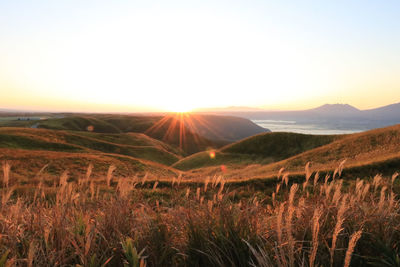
(177, 127)
(182, 133)
(170, 131)
(194, 130)
(207, 125)
(157, 125)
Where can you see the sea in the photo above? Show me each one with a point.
(306, 128)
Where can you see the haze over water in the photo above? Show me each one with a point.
(304, 128)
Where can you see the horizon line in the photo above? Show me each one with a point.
(220, 109)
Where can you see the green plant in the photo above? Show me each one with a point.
(132, 257)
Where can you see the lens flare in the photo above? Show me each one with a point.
(223, 168)
(212, 154)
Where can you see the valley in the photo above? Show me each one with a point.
(192, 146)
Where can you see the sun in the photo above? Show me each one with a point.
(181, 110)
(179, 107)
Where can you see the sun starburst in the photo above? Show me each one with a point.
(183, 129)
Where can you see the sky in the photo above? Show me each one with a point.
(129, 56)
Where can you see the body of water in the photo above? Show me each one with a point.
(304, 128)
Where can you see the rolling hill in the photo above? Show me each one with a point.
(358, 149)
(263, 148)
(172, 130)
(375, 150)
(226, 128)
(199, 131)
(134, 145)
(27, 164)
(166, 141)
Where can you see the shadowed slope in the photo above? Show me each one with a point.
(79, 123)
(173, 129)
(226, 128)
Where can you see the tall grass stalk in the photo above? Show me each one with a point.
(6, 173)
(110, 171)
(338, 226)
(315, 235)
(350, 249)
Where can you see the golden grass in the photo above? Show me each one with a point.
(119, 220)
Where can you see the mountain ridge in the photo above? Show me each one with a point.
(336, 108)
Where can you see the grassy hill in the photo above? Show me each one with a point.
(101, 123)
(26, 164)
(173, 130)
(358, 149)
(130, 144)
(263, 149)
(79, 123)
(258, 156)
(168, 132)
(376, 150)
(198, 131)
(227, 128)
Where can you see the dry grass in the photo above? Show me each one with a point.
(6, 173)
(134, 222)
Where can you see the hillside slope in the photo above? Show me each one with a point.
(172, 129)
(228, 128)
(26, 164)
(379, 148)
(190, 132)
(131, 144)
(262, 148)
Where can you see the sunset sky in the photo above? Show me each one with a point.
(181, 55)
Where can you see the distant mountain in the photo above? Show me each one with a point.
(326, 111)
(390, 112)
(3, 110)
(331, 116)
(7, 110)
(335, 109)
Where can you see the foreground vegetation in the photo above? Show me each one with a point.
(107, 221)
